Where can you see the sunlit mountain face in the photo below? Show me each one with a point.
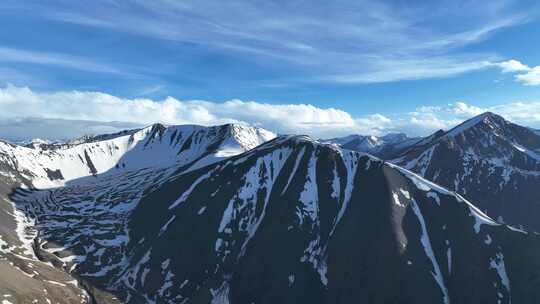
(489, 160)
(233, 214)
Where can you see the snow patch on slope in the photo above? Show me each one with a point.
(437, 274)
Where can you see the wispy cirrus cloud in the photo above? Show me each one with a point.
(341, 41)
(17, 77)
(390, 70)
(8, 54)
(150, 90)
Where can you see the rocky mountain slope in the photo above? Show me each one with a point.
(290, 221)
(106, 176)
(156, 146)
(490, 161)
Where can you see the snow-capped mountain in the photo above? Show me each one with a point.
(153, 146)
(290, 221)
(380, 146)
(93, 183)
(489, 160)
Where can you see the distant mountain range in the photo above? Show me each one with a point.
(486, 159)
(234, 214)
(380, 146)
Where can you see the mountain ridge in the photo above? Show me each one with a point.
(491, 161)
(316, 221)
(54, 164)
(95, 198)
(290, 220)
(310, 211)
(487, 159)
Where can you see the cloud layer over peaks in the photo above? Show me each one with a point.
(17, 102)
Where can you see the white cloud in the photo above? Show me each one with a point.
(512, 66)
(425, 121)
(458, 109)
(462, 109)
(376, 123)
(282, 118)
(429, 118)
(531, 77)
(97, 106)
(526, 113)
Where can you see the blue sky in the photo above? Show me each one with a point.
(358, 66)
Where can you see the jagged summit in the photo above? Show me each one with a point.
(392, 145)
(155, 129)
(488, 129)
(484, 120)
(487, 159)
(156, 145)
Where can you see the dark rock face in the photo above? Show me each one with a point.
(307, 223)
(64, 244)
(492, 162)
(292, 221)
(54, 174)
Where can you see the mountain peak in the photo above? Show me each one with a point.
(492, 117)
(487, 114)
(489, 119)
(395, 137)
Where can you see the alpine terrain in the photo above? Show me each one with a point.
(233, 214)
(89, 187)
(116, 187)
(490, 161)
